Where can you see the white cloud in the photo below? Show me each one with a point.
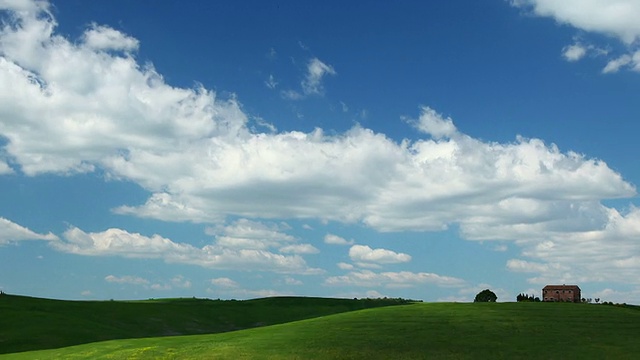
(434, 124)
(247, 234)
(367, 278)
(24, 6)
(518, 265)
(363, 253)
(202, 163)
(614, 18)
(574, 52)
(245, 228)
(345, 266)
(336, 240)
(126, 279)
(618, 18)
(105, 38)
(263, 123)
(98, 105)
(316, 70)
(117, 242)
(604, 254)
(617, 63)
(11, 232)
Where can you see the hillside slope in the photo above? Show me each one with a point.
(417, 331)
(28, 323)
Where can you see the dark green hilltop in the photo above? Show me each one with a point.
(28, 323)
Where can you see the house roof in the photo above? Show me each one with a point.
(561, 287)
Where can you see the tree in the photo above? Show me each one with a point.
(486, 296)
(527, 297)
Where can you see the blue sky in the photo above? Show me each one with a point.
(424, 150)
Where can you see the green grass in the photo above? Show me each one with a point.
(430, 331)
(28, 323)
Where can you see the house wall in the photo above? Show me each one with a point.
(561, 294)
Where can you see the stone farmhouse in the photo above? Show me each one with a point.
(565, 293)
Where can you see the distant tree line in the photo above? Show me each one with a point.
(527, 298)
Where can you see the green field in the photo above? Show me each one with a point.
(421, 330)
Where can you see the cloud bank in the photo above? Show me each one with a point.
(218, 255)
(81, 105)
(11, 232)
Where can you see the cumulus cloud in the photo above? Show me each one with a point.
(617, 18)
(248, 234)
(72, 108)
(434, 124)
(614, 18)
(367, 278)
(105, 38)
(336, 240)
(11, 232)
(365, 254)
(118, 242)
(574, 52)
(606, 253)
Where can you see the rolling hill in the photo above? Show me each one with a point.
(28, 323)
(413, 331)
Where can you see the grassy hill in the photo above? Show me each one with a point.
(28, 323)
(416, 331)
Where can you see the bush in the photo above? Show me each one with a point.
(486, 296)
